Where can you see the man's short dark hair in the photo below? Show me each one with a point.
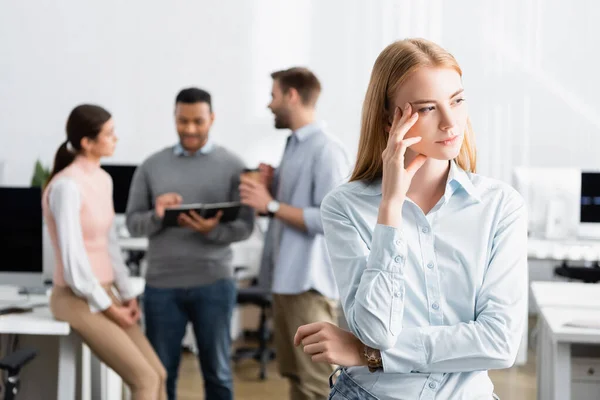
(194, 95)
(303, 80)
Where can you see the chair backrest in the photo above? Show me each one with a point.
(17, 360)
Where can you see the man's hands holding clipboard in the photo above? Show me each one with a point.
(189, 220)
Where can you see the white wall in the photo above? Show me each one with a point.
(530, 71)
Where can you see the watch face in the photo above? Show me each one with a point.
(273, 206)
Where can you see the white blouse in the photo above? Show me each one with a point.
(65, 203)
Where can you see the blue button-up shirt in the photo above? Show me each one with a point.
(178, 149)
(293, 261)
(444, 297)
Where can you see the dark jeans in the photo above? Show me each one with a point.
(209, 309)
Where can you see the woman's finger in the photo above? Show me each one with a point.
(405, 144)
(322, 358)
(314, 338)
(402, 123)
(306, 330)
(415, 164)
(315, 348)
(397, 117)
(403, 128)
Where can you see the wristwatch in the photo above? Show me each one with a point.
(273, 207)
(373, 356)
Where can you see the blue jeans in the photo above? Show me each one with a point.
(346, 388)
(209, 309)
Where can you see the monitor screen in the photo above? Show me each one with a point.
(121, 176)
(21, 229)
(590, 197)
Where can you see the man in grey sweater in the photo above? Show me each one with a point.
(190, 276)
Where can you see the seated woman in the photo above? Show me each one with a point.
(78, 209)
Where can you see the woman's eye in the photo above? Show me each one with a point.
(458, 101)
(426, 109)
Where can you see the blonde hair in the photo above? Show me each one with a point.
(395, 63)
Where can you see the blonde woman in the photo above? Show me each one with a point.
(430, 258)
(78, 209)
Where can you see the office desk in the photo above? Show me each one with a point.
(246, 253)
(566, 294)
(554, 373)
(558, 251)
(560, 302)
(133, 243)
(40, 322)
(563, 250)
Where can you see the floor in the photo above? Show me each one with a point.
(517, 383)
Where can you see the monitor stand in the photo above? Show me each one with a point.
(121, 225)
(588, 231)
(27, 282)
(41, 290)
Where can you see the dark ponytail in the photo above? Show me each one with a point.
(85, 121)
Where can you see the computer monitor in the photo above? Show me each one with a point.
(21, 237)
(589, 206)
(121, 176)
(552, 196)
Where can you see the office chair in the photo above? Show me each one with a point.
(134, 261)
(585, 274)
(258, 296)
(13, 364)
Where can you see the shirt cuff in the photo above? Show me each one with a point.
(126, 291)
(407, 355)
(312, 220)
(388, 249)
(99, 300)
(155, 220)
(214, 234)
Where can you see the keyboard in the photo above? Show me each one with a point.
(34, 290)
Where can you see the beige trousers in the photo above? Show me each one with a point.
(126, 351)
(308, 380)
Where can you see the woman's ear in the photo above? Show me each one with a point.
(86, 144)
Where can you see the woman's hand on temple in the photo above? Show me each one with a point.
(330, 344)
(396, 178)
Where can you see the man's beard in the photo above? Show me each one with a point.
(282, 121)
(199, 140)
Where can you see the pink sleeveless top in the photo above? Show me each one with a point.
(96, 215)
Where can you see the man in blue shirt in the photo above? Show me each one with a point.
(295, 263)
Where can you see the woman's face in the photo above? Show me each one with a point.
(436, 94)
(104, 144)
